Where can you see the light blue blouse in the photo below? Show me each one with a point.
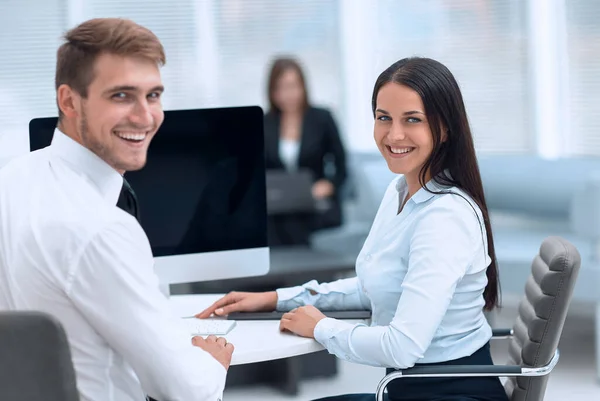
(422, 272)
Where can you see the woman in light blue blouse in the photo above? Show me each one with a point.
(427, 269)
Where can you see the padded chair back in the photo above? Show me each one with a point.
(35, 359)
(542, 314)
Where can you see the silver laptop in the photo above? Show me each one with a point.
(289, 192)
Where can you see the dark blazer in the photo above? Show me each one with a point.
(320, 139)
(320, 144)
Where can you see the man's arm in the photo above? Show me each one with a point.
(114, 285)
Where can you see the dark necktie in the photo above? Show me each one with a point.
(128, 201)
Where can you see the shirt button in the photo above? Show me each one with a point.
(368, 257)
(347, 357)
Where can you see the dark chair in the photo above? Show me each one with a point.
(533, 348)
(35, 359)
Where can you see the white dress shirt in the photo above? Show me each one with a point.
(288, 153)
(422, 272)
(66, 249)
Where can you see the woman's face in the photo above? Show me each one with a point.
(401, 130)
(289, 93)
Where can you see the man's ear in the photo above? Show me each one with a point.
(68, 101)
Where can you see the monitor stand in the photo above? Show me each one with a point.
(221, 265)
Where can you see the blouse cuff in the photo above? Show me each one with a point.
(285, 297)
(328, 328)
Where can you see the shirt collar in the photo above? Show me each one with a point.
(423, 194)
(107, 180)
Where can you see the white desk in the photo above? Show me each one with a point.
(254, 341)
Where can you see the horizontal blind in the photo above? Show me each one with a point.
(242, 39)
(31, 33)
(174, 23)
(484, 44)
(583, 38)
(250, 34)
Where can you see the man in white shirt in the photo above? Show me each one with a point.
(68, 250)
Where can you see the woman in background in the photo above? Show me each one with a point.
(299, 136)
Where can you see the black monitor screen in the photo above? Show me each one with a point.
(203, 186)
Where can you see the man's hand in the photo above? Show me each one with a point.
(219, 348)
(301, 321)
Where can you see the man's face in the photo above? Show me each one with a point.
(122, 111)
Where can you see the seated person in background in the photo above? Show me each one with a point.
(71, 245)
(300, 136)
(428, 268)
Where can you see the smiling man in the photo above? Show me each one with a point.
(117, 114)
(68, 249)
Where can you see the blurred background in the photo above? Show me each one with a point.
(529, 71)
(518, 61)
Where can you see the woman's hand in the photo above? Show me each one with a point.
(301, 321)
(241, 302)
(322, 189)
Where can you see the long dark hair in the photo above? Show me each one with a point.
(278, 68)
(445, 110)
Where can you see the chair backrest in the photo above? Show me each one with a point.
(35, 359)
(542, 314)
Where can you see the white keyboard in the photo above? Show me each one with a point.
(205, 327)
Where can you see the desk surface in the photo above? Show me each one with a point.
(254, 341)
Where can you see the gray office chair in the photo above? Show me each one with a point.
(533, 348)
(35, 359)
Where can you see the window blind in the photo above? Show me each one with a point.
(250, 33)
(30, 32)
(583, 39)
(484, 44)
(174, 23)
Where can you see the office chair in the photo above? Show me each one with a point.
(35, 359)
(533, 348)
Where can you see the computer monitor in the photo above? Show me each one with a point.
(202, 193)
